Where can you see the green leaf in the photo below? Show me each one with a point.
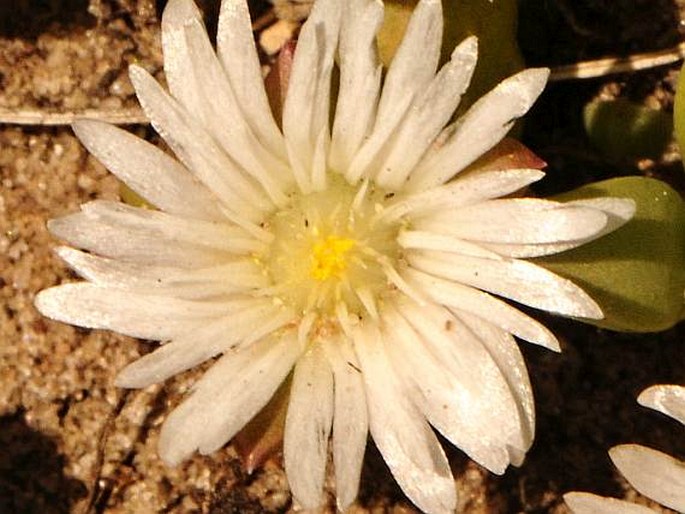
(624, 130)
(679, 111)
(397, 14)
(493, 22)
(636, 274)
(130, 197)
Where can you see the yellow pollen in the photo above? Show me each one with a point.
(328, 257)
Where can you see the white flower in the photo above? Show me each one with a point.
(347, 253)
(653, 473)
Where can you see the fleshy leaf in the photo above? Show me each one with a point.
(622, 130)
(636, 274)
(679, 111)
(494, 23)
(130, 197)
(397, 14)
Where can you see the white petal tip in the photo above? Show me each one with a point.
(531, 82)
(546, 339)
(587, 503)
(537, 75)
(127, 379)
(552, 344)
(170, 451)
(517, 456)
(626, 207)
(82, 126)
(170, 459)
(591, 310)
(123, 383)
(48, 302)
(467, 46)
(137, 74)
(343, 504)
(647, 398)
(668, 399)
(622, 453)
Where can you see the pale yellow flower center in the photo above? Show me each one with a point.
(329, 257)
(329, 249)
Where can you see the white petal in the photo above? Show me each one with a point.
(222, 236)
(147, 170)
(586, 503)
(178, 67)
(668, 399)
(240, 326)
(236, 48)
(194, 283)
(350, 421)
(505, 352)
(139, 246)
(467, 299)
(428, 114)
(517, 280)
(151, 237)
(319, 167)
(517, 220)
(410, 72)
(482, 127)
(618, 210)
(307, 428)
(653, 473)
(404, 438)
(623, 209)
(198, 81)
(307, 103)
(421, 240)
(137, 315)
(416, 59)
(197, 149)
(360, 79)
(467, 190)
(229, 395)
(456, 384)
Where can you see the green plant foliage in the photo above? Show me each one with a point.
(493, 22)
(397, 13)
(679, 111)
(636, 274)
(130, 197)
(622, 130)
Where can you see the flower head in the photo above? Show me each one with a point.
(355, 254)
(653, 473)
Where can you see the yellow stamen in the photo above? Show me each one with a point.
(328, 257)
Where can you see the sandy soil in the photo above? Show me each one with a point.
(70, 442)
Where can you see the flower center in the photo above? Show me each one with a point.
(328, 257)
(328, 249)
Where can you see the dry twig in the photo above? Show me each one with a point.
(613, 65)
(131, 116)
(581, 70)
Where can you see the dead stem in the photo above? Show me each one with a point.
(577, 71)
(132, 116)
(612, 65)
